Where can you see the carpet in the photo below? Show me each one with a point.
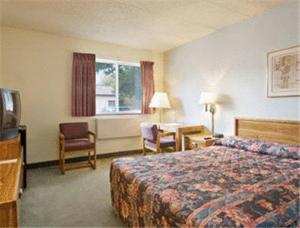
(79, 198)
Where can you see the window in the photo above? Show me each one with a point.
(118, 87)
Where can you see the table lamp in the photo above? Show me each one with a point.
(160, 100)
(209, 100)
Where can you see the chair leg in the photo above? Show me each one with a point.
(158, 150)
(94, 158)
(59, 159)
(62, 168)
(144, 148)
(89, 156)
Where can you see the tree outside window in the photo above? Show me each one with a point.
(118, 87)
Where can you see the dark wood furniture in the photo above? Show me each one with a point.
(23, 140)
(75, 138)
(11, 184)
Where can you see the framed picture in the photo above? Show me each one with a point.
(284, 72)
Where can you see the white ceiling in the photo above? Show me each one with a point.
(148, 24)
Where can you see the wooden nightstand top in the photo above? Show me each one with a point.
(197, 140)
(200, 137)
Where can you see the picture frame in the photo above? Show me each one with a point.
(283, 76)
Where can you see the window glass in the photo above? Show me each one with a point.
(129, 88)
(118, 88)
(105, 87)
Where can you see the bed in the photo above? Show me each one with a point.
(240, 181)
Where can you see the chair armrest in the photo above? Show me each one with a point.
(61, 136)
(93, 134)
(165, 134)
(61, 141)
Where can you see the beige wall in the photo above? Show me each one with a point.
(39, 66)
(233, 63)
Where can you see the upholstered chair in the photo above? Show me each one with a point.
(74, 138)
(156, 140)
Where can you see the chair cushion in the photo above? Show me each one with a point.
(149, 132)
(78, 144)
(74, 130)
(164, 142)
(167, 141)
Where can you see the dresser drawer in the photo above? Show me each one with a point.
(10, 149)
(9, 214)
(10, 185)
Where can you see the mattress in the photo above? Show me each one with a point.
(237, 182)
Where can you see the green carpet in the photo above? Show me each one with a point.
(79, 198)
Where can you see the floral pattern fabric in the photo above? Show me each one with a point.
(281, 150)
(218, 186)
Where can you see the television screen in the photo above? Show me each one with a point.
(10, 113)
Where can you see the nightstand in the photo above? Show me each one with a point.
(197, 140)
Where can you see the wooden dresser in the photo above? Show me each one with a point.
(11, 168)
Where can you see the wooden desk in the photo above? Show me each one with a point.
(169, 127)
(11, 168)
(181, 129)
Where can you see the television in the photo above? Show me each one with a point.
(10, 113)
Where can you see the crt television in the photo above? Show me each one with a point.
(10, 113)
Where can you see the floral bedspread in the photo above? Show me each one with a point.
(225, 185)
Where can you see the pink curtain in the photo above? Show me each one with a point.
(148, 85)
(83, 85)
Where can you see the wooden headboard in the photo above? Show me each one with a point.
(281, 131)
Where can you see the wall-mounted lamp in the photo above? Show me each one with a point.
(209, 100)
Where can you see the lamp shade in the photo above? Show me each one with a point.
(208, 98)
(160, 100)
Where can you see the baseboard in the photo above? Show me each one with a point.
(84, 158)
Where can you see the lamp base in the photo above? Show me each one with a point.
(212, 110)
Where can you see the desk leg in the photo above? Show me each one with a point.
(183, 143)
(178, 144)
(178, 139)
(182, 130)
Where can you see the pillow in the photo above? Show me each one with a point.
(259, 146)
(235, 142)
(281, 150)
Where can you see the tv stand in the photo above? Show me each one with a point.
(11, 168)
(23, 140)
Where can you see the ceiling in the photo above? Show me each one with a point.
(149, 24)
